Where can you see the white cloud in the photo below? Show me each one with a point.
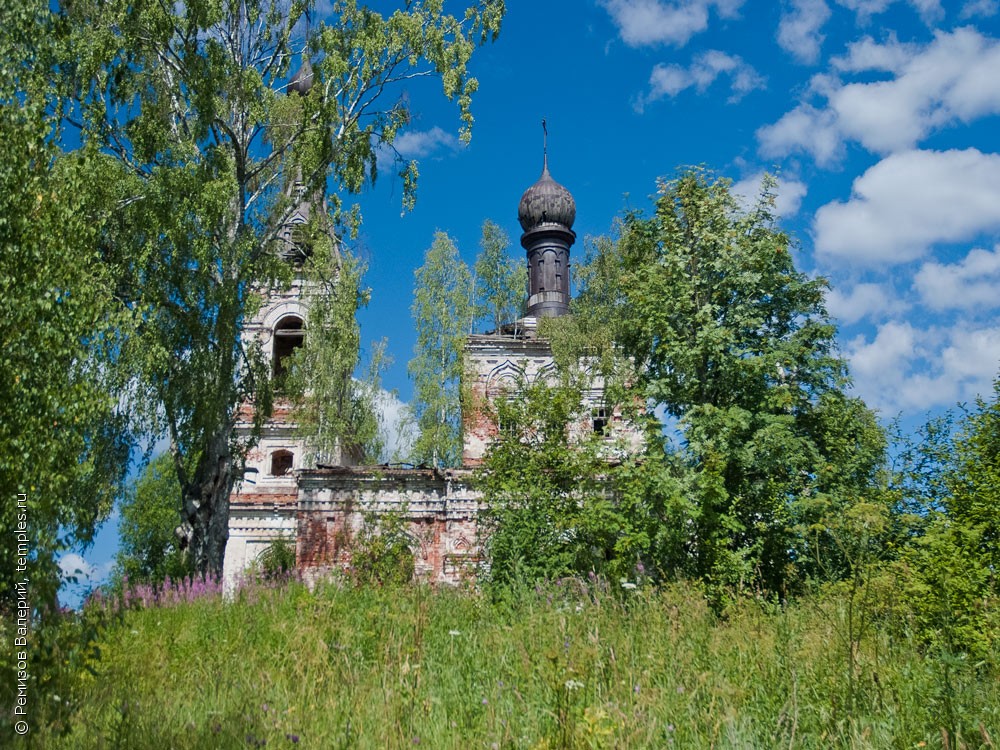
(788, 195)
(398, 429)
(670, 80)
(893, 347)
(416, 144)
(648, 22)
(863, 301)
(909, 370)
(807, 129)
(74, 565)
(972, 283)
(929, 10)
(983, 8)
(907, 202)
(951, 80)
(799, 30)
(866, 54)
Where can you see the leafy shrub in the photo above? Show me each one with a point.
(380, 551)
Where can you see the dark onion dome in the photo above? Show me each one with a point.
(546, 202)
(302, 81)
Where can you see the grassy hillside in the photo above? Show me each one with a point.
(566, 666)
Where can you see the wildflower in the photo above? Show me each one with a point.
(485, 701)
(293, 738)
(453, 633)
(635, 688)
(627, 585)
(573, 685)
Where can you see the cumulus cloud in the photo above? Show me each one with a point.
(892, 349)
(414, 144)
(648, 22)
(863, 301)
(971, 284)
(981, 8)
(799, 29)
(398, 429)
(807, 129)
(76, 566)
(950, 80)
(417, 144)
(788, 195)
(908, 202)
(670, 80)
(865, 54)
(910, 370)
(929, 10)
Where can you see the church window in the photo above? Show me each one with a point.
(599, 418)
(281, 463)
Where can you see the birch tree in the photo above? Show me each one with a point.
(442, 312)
(501, 281)
(188, 105)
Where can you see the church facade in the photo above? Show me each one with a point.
(322, 509)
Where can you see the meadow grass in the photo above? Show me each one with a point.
(568, 665)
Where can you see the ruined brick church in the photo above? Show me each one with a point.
(321, 508)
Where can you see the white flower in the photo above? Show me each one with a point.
(573, 685)
(453, 633)
(628, 585)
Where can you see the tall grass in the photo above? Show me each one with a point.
(565, 666)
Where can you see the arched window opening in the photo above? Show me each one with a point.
(288, 336)
(281, 462)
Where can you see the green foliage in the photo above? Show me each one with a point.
(564, 666)
(278, 559)
(65, 649)
(974, 500)
(950, 572)
(63, 437)
(380, 551)
(718, 329)
(187, 103)
(499, 279)
(443, 314)
(148, 549)
(551, 494)
(336, 412)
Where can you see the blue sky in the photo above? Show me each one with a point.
(879, 117)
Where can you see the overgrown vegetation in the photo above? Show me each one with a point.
(564, 665)
(698, 314)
